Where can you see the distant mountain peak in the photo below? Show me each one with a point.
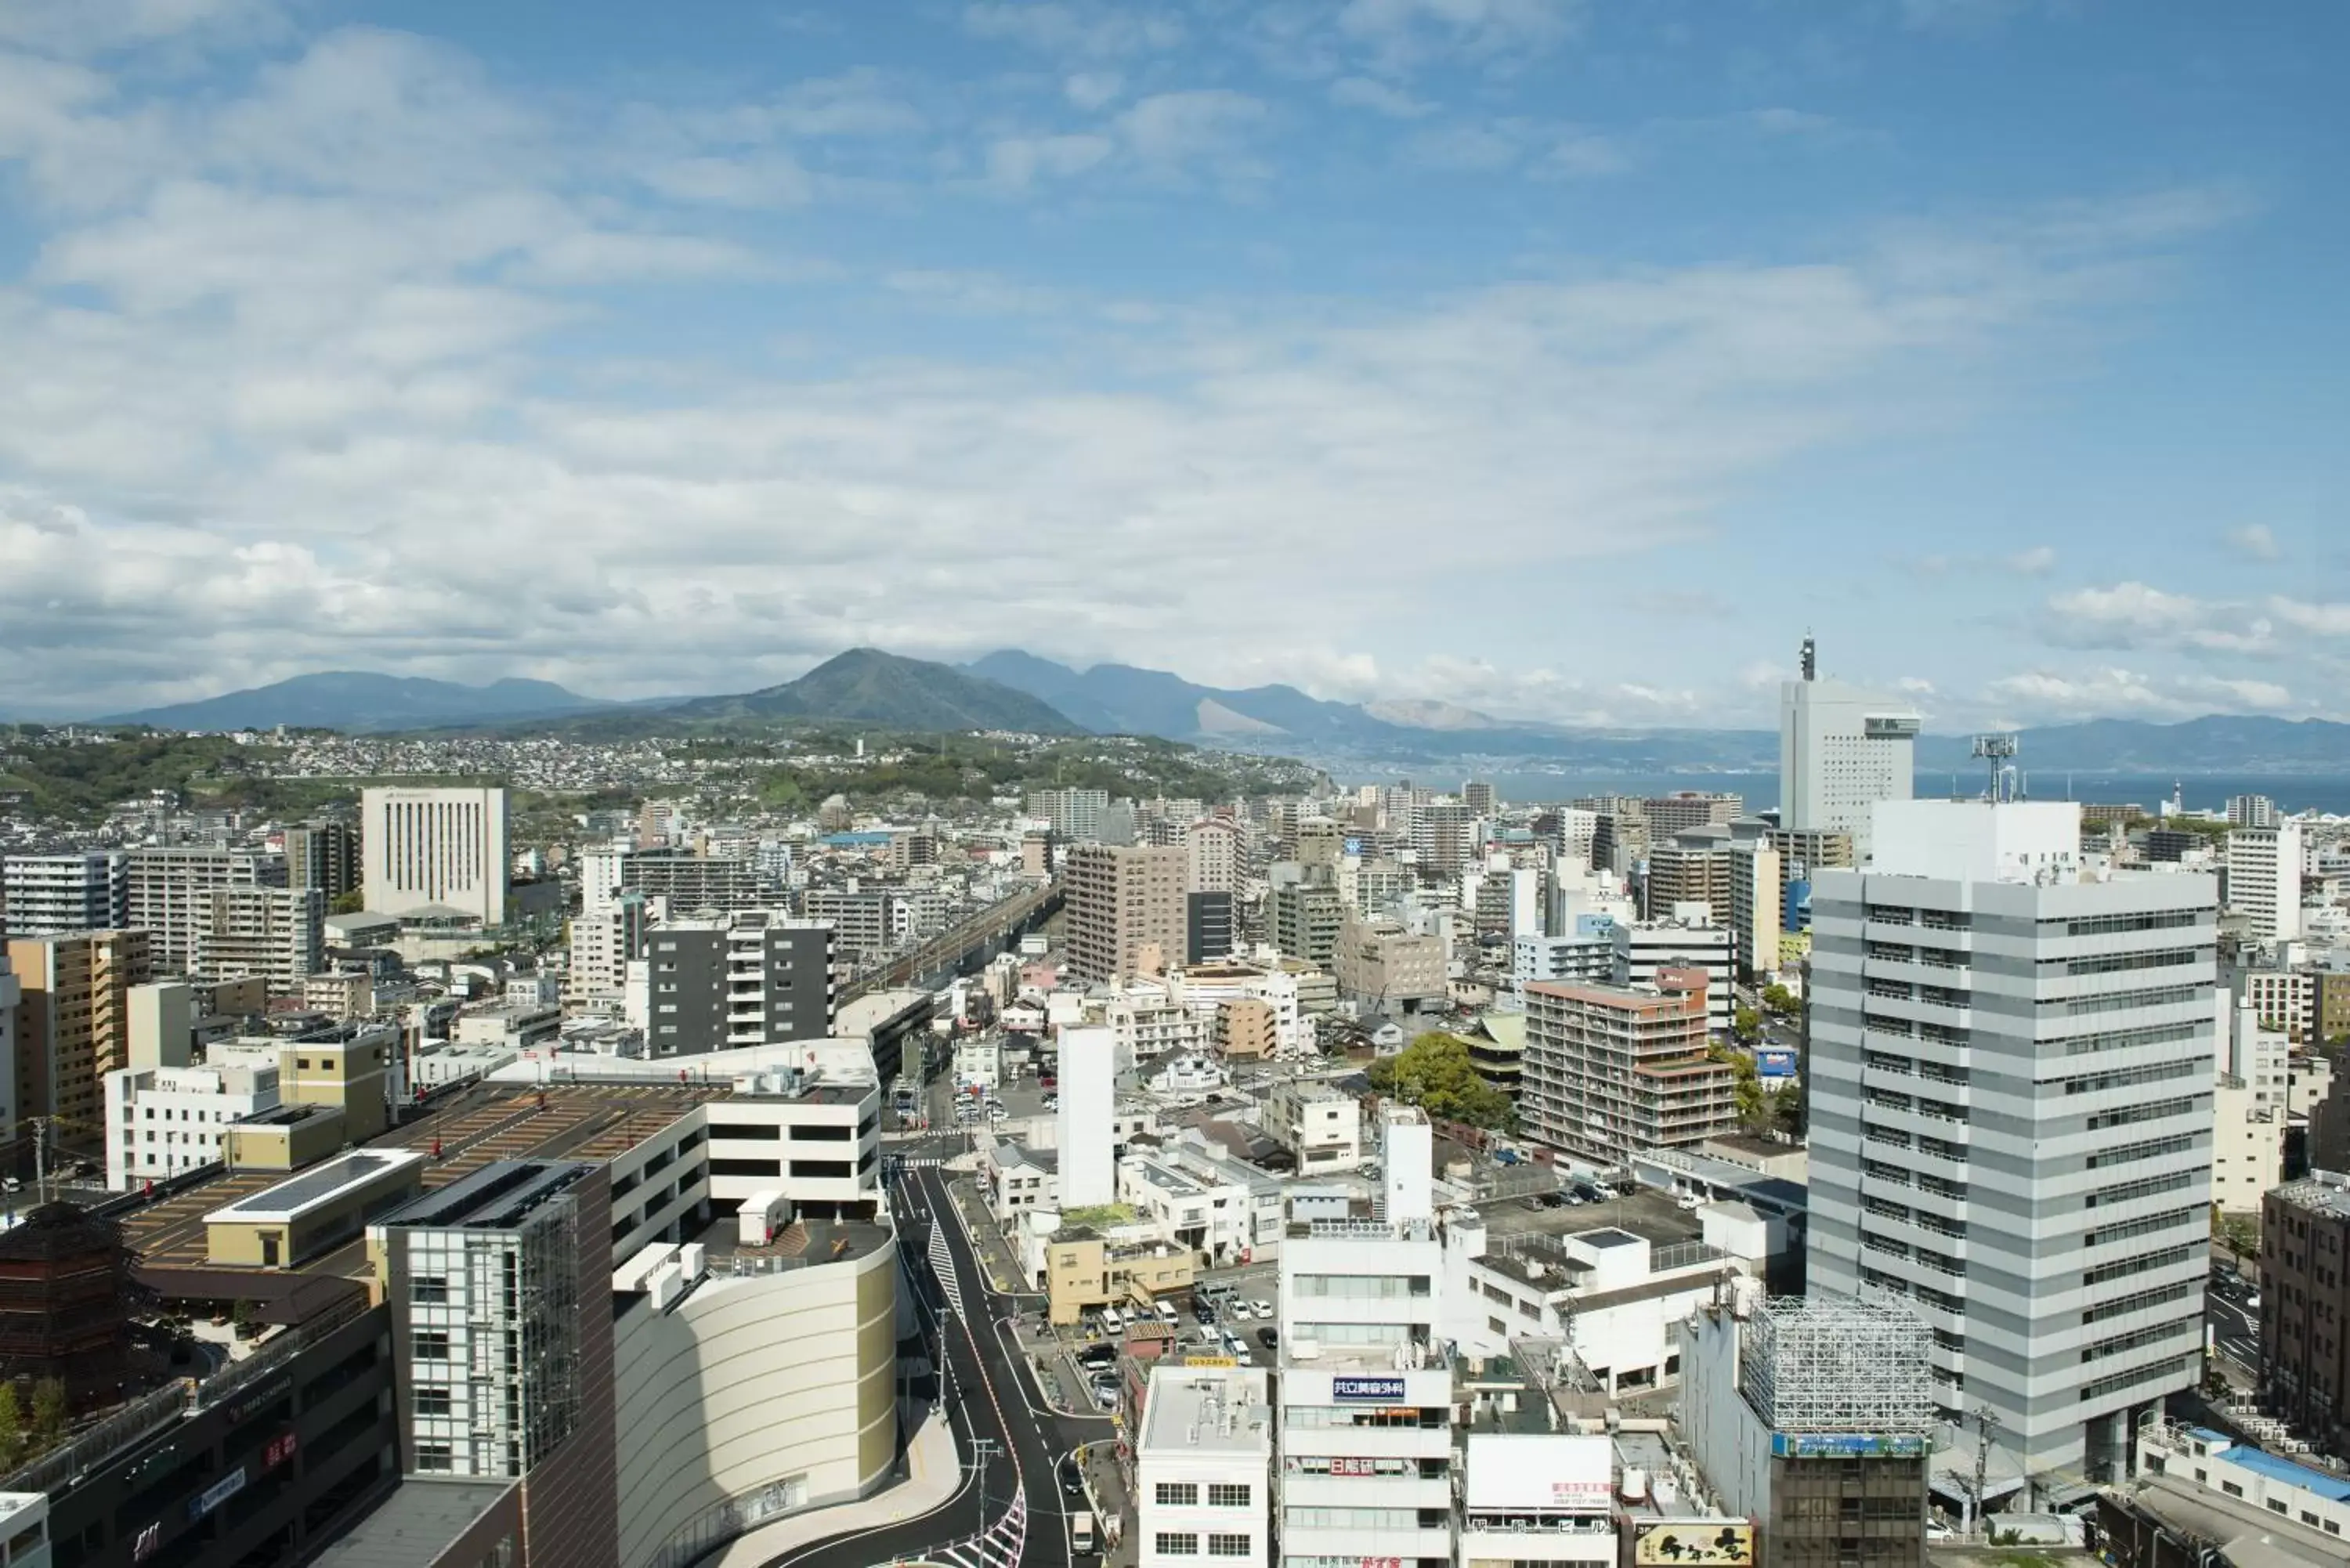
(362, 700)
(870, 685)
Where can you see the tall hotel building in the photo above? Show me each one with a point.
(433, 850)
(2011, 1120)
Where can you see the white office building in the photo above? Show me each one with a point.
(1203, 1468)
(1319, 1123)
(2011, 1118)
(2264, 879)
(1689, 938)
(1086, 1130)
(1841, 749)
(435, 853)
(57, 895)
(1539, 1497)
(1365, 1433)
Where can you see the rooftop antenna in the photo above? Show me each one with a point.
(1811, 658)
(1998, 752)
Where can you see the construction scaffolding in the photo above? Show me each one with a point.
(1814, 1364)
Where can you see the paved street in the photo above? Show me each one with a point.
(2235, 1322)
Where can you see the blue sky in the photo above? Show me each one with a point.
(1558, 357)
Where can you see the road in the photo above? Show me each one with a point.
(992, 1396)
(2235, 1322)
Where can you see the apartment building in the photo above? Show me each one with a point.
(276, 934)
(693, 884)
(752, 978)
(1303, 920)
(1757, 905)
(168, 893)
(1609, 1071)
(2010, 1086)
(2283, 999)
(73, 1019)
(2305, 1306)
(52, 895)
(1125, 909)
(1215, 854)
(1203, 1468)
(603, 941)
(1075, 814)
(324, 854)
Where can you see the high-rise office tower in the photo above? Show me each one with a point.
(1216, 854)
(2251, 811)
(434, 850)
(48, 895)
(325, 856)
(1125, 903)
(1841, 749)
(2011, 1108)
(73, 1019)
(1480, 797)
(2264, 879)
(169, 893)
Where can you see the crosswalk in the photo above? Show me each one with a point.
(998, 1546)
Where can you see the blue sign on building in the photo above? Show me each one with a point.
(1775, 1062)
(1366, 1388)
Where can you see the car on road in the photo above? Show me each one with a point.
(1096, 1357)
(1073, 1484)
(1268, 1337)
(1204, 1310)
(1105, 1399)
(1264, 1309)
(1533, 1201)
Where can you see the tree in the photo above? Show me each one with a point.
(1778, 999)
(48, 1412)
(12, 1425)
(1435, 1074)
(2239, 1233)
(1746, 1023)
(351, 903)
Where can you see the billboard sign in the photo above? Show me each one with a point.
(1847, 1445)
(1716, 1542)
(1377, 1388)
(1775, 1062)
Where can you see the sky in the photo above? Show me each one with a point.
(1559, 358)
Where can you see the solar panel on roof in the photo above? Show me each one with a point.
(316, 1184)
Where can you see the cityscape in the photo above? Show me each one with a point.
(1173, 784)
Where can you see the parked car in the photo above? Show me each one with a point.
(1268, 1337)
(1264, 1309)
(1097, 1355)
(1105, 1399)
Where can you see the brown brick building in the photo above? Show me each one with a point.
(2305, 1307)
(1123, 902)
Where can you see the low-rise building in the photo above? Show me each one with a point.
(2201, 1496)
(1610, 1295)
(163, 1121)
(1203, 1201)
(342, 994)
(1689, 938)
(1115, 1262)
(1538, 1498)
(1203, 1467)
(1381, 965)
(1320, 1126)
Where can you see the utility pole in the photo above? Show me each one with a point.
(1985, 1423)
(982, 1448)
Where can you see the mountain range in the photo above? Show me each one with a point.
(1015, 691)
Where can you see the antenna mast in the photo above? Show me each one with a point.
(1811, 658)
(1998, 752)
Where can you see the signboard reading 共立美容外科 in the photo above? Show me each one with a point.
(1366, 1388)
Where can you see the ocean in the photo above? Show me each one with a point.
(2319, 792)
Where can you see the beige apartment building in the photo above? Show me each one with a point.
(1611, 1071)
(1380, 963)
(73, 1021)
(1083, 1269)
(1125, 908)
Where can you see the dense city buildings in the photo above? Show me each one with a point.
(2011, 1061)
(277, 935)
(436, 854)
(325, 856)
(2264, 869)
(168, 893)
(73, 1019)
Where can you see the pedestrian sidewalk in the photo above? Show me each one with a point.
(934, 1471)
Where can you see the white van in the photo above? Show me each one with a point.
(1111, 1322)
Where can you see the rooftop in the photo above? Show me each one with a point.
(495, 1198)
(1206, 1410)
(415, 1524)
(2319, 1192)
(317, 1187)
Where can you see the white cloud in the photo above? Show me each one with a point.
(1018, 162)
(77, 27)
(2115, 692)
(1379, 98)
(1403, 33)
(2323, 619)
(1097, 28)
(2035, 562)
(2254, 539)
(1211, 125)
(2134, 614)
(1093, 89)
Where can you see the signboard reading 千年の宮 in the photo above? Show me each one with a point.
(1715, 1542)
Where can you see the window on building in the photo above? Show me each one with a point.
(432, 1288)
(433, 1456)
(1177, 1494)
(1177, 1545)
(1228, 1545)
(1221, 1494)
(431, 1401)
(430, 1344)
